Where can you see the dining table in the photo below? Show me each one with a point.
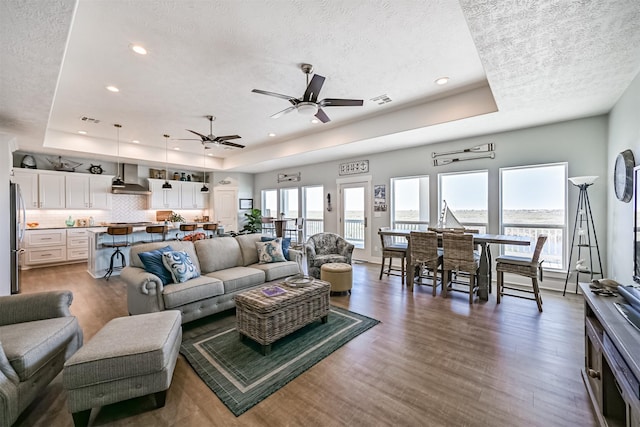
(482, 239)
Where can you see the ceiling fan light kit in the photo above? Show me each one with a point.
(308, 104)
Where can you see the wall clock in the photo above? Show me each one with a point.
(623, 176)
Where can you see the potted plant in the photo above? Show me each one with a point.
(254, 221)
(175, 219)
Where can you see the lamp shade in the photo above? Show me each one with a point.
(583, 180)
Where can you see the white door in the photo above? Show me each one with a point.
(354, 216)
(225, 205)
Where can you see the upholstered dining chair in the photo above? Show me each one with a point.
(523, 266)
(459, 256)
(391, 250)
(426, 257)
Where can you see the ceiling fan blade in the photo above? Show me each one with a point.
(320, 115)
(204, 138)
(337, 102)
(231, 144)
(311, 94)
(283, 112)
(223, 138)
(277, 95)
(186, 139)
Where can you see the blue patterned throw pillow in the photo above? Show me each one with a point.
(153, 264)
(286, 242)
(270, 251)
(180, 266)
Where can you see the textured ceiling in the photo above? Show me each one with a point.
(538, 61)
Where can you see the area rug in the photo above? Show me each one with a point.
(238, 373)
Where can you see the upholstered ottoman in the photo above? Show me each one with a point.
(339, 274)
(129, 357)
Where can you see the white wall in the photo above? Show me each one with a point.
(582, 143)
(624, 133)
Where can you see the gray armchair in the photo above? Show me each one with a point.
(323, 248)
(37, 335)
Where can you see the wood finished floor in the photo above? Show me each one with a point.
(431, 362)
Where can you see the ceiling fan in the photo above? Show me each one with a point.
(308, 104)
(212, 139)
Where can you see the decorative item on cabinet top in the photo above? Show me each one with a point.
(28, 162)
(64, 165)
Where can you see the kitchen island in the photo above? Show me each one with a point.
(100, 256)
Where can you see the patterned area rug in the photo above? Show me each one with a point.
(241, 376)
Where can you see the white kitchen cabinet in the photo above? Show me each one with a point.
(77, 244)
(191, 196)
(41, 189)
(27, 179)
(164, 199)
(85, 191)
(45, 246)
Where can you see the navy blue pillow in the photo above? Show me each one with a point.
(152, 261)
(286, 242)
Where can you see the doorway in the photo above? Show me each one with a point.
(354, 214)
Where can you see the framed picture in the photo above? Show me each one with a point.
(246, 203)
(379, 198)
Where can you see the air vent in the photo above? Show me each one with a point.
(382, 99)
(89, 119)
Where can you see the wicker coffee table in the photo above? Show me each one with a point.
(266, 319)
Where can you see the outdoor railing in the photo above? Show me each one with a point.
(553, 249)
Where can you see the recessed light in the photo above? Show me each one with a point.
(442, 81)
(82, 132)
(209, 154)
(113, 89)
(176, 148)
(272, 134)
(138, 49)
(135, 141)
(314, 121)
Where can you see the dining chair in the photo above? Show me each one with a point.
(459, 256)
(523, 266)
(426, 257)
(268, 226)
(296, 233)
(392, 250)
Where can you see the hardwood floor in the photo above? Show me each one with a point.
(431, 362)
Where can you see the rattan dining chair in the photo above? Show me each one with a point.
(523, 266)
(459, 256)
(392, 250)
(426, 257)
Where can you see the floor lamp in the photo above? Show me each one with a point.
(585, 228)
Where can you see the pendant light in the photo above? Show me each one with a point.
(166, 185)
(117, 181)
(204, 188)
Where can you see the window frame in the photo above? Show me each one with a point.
(482, 227)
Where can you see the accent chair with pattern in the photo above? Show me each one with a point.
(323, 248)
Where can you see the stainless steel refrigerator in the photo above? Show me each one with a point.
(18, 219)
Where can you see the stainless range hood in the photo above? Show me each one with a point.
(131, 186)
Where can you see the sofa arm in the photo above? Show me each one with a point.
(8, 392)
(30, 307)
(144, 290)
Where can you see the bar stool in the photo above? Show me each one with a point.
(155, 230)
(117, 244)
(212, 227)
(186, 227)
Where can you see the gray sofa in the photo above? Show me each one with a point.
(37, 335)
(227, 266)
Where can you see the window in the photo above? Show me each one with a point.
(269, 203)
(313, 210)
(410, 203)
(533, 200)
(289, 202)
(466, 194)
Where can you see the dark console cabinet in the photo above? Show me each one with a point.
(612, 362)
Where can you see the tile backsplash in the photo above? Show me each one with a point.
(125, 208)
